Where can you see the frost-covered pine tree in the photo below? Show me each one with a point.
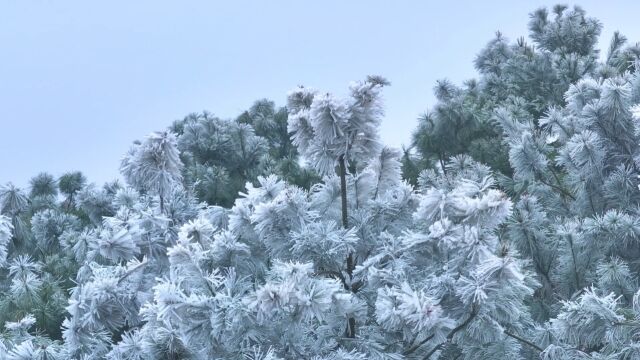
(26, 290)
(536, 74)
(451, 286)
(274, 271)
(333, 132)
(591, 220)
(154, 165)
(43, 191)
(34, 273)
(5, 237)
(120, 260)
(574, 184)
(14, 204)
(571, 142)
(281, 274)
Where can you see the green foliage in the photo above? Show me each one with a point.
(70, 184)
(221, 156)
(43, 185)
(532, 77)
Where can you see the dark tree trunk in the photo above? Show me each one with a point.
(350, 331)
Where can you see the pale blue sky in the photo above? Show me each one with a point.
(80, 80)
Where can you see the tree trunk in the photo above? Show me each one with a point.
(343, 192)
(350, 331)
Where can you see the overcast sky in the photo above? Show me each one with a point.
(80, 80)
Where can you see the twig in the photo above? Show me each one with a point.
(452, 333)
(415, 347)
(524, 341)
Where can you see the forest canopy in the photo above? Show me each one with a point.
(509, 228)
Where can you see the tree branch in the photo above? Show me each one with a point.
(474, 312)
(415, 347)
(562, 190)
(524, 341)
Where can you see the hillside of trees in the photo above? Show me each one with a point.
(508, 229)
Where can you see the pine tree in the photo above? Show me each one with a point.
(70, 184)
(154, 165)
(14, 203)
(571, 141)
(332, 132)
(5, 237)
(221, 156)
